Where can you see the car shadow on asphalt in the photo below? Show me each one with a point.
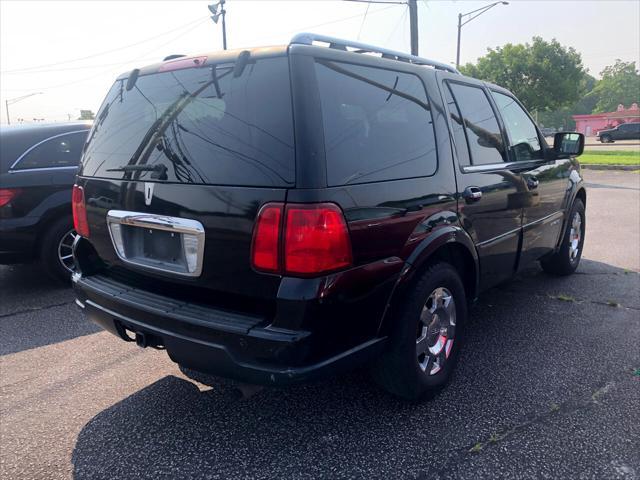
(178, 429)
(36, 311)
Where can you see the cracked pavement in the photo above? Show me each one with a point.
(548, 386)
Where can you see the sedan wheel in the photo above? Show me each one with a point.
(65, 250)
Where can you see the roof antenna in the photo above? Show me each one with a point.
(133, 78)
(241, 63)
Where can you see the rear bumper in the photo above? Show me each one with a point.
(242, 347)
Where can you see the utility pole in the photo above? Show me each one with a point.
(413, 25)
(216, 15)
(459, 32)
(11, 101)
(477, 13)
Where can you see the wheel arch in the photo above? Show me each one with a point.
(51, 217)
(450, 244)
(582, 195)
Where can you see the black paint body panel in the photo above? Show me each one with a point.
(395, 226)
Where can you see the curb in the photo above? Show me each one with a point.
(610, 167)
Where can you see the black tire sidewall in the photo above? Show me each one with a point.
(559, 263)
(404, 344)
(578, 207)
(49, 249)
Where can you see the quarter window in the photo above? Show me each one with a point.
(480, 124)
(60, 151)
(523, 136)
(377, 124)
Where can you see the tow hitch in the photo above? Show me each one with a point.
(142, 339)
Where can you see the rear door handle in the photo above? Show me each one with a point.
(472, 194)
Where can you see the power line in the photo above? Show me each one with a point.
(104, 72)
(363, 19)
(377, 1)
(106, 51)
(400, 20)
(85, 67)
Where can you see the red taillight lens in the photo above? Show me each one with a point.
(79, 211)
(8, 194)
(266, 238)
(316, 239)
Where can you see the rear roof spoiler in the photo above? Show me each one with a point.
(358, 47)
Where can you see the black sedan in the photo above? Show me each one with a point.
(38, 165)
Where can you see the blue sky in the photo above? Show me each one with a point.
(71, 51)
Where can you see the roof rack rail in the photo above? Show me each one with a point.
(358, 47)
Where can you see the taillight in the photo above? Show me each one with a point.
(266, 237)
(315, 239)
(8, 194)
(79, 209)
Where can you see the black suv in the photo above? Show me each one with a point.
(38, 165)
(280, 214)
(624, 131)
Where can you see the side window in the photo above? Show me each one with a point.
(462, 148)
(60, 151)
(480, 124)
(523, 136)
(377, 124)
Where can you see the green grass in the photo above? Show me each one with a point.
(610, 157)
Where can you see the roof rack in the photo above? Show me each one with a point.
(357, 47)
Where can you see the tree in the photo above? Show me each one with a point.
(563, 117)
(543, 75)
(620, 84)
(86, 115)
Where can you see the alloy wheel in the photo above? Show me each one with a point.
(575, 235)
(65, 250)
(436, 331)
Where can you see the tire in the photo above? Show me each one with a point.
(403, 370)
(55, 244)
(567, 258)
(606, 139)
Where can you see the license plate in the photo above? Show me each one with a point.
(158, 242)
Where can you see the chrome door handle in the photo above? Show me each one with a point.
(472, 194)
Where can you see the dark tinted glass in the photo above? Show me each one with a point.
(481, 126)
(523, 136)
(377, 124)
(462, 149)
(203, 124)
(60, 151)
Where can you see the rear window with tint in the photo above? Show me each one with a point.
(203, 124)
(377, 124)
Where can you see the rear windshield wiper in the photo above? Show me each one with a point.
(159, 170)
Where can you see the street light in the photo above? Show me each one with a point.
(478, 12)
(11, 101)
(213, 8)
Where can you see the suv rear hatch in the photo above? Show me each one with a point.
(179, 161)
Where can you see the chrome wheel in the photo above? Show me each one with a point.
(436, 331)
(65, 250)
(575, 235)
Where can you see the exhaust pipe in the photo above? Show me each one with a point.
(141, 340)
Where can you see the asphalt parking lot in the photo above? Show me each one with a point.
(548, 387)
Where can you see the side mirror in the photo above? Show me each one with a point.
(568, 144)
